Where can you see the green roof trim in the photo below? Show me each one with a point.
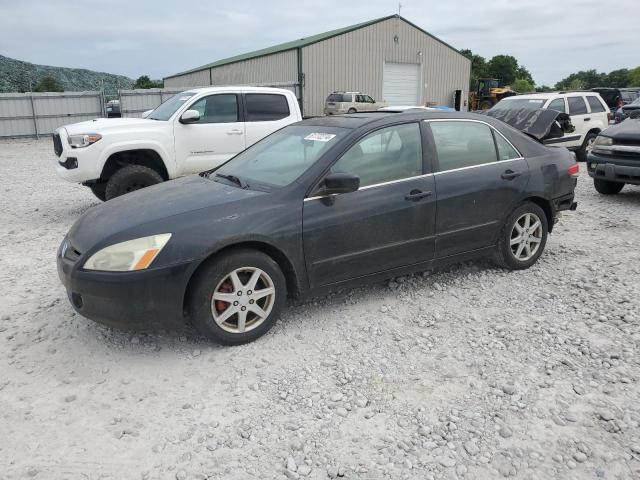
(303, 42)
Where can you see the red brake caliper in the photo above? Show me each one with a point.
(226, 287)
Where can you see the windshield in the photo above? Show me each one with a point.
(514, 103)
(636, 102)
(282, 157)
(168, 108)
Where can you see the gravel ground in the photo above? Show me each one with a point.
(468, 372)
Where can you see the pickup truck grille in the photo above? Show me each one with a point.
(57, 144)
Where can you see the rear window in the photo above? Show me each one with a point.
(576, 105)
(514, 103)
(595, 104)
(262, 107)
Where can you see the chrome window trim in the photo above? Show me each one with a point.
(488, 125)
(497, 162)
(375, 185)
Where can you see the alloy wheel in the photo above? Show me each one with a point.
(243, 300)
(526, 237)
(589, 146)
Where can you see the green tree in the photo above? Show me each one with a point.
(504, 68)
(634, 78)
(522, 85)
(145, 82)
(544, 88)
(618, 78)
(478, 67)
(48, 84)
(585, 79)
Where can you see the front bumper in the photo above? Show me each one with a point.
(146, 298)
(76, 165)
(613, 168)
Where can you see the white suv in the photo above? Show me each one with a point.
(191, 132)
(588, 111)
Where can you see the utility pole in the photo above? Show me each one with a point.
(399, 8)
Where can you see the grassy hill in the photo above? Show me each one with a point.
(17, 76)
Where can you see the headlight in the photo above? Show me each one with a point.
(130, 255)
(84, 140)
(604, 141)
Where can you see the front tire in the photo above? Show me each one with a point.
(607, 188)
(523, 237)
(586, 147)
(129, 179)
(99, 190)
(237, 298)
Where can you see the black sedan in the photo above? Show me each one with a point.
(322, 204)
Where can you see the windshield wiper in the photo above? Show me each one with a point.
(233, 178)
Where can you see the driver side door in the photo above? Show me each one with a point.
(388, 222)
(217, 136)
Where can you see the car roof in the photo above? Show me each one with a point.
(237, 88)
(380, 118)
(548, 95)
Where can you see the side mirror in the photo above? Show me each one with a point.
(336, 183)
(190, 116)
(147, 113)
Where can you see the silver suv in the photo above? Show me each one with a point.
(338, 103)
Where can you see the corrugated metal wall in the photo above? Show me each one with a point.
(27, 114)
(277, 68)
(134, 102)
(195, 79)
(355, 61)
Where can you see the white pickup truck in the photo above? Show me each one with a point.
(193, 131)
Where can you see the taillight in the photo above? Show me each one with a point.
(574, 170)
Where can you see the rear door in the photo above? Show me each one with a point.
(579, 117)
(218, 135)
(479, 179)
(389, 222)
(265, 113)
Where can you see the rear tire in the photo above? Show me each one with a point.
(523, 237)
(607, 188)
(585, 148)
(352, 110)
(236, 310)
(99, 190)
(130, 178)
(486, 105)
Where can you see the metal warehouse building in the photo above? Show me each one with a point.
(390, 59)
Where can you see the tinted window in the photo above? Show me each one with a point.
(388, 154)
(463, 144)
(280, 158)
(368, 99)
(595, 104)
(360, 99)
(513, 103)
(505, 150)
(576, 105)
(217, 109)
(263, 107)
(334, 97)
(558, 105)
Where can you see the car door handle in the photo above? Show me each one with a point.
(416, 195)
(234, 132)
(587, 119)
(510, 175)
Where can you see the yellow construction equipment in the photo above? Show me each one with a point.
(489, 93)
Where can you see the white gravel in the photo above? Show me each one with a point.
(468, 372)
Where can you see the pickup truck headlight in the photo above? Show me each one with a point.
(127, 256)
(603, 141)
(83, 140)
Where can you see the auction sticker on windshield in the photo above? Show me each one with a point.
(319, 137)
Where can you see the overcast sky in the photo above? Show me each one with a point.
(551, 38)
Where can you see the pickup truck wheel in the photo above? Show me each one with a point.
(130, 178)
(523, 237)
(607, 188)
(99, 190)
(237, 298)
(587, 145)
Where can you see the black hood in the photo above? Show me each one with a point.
(150, 205)
(541, 124)
(627, 131)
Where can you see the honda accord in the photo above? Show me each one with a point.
(322, 204)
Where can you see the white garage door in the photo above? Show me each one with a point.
(401, 84)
